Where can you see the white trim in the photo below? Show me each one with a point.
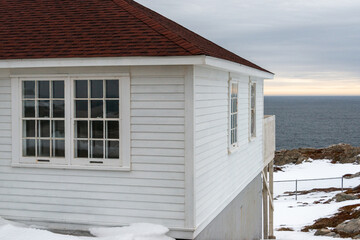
(15, 120)
(189, 148)
(251, 136)
(135, 61)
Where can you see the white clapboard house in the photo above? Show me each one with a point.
(112, 114)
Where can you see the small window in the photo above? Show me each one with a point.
(252, 110)
(233, 129)
(43, 120)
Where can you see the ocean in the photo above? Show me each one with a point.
(315, 121)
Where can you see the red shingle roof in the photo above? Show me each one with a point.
(96, 28)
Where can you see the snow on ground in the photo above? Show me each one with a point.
(139, 231)
(301, 212)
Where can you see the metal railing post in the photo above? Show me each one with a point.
(342, 183)
(296, 187)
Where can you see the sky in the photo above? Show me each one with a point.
(312, 46)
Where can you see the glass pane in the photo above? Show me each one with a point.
(29, 108)
(96, 88)
(81, 149)
(112, 109)
(81, 108)
(58, 109)
(44, 128)
(58, 148)
(43, 89)
(58, 129)
(29, 147)
(29, 128)
(29, 89)
(44, 148)
(112, 88)
(112, 149)
(81, 129)
(58, 89)
(96, 109)
(97, 149)
(97, 129)
(44, 108)
(112, 129)
(81, 89)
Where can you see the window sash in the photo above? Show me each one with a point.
(233, 116)
(252, 109)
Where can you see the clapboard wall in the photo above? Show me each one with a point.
(219, 175)
(153, 191)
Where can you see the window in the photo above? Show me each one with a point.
(233, 129)
(72, 121)
(252, 110)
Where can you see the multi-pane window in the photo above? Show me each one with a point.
(233, 114)
(43, 119)
(96, 119)
(252, 109)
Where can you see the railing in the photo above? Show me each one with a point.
(269, 139)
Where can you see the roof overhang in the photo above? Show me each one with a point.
(135, 61)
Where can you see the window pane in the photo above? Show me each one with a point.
(43, 89)
(112, 128)
(29, 109)
(58, 148)
(112, 149)
(112, 88)
(81, 89)
(97, 149)
(112, 109)
(29, 89)
(58, 109)
(81, 149)
(96, 88)
(29, 128)
(96, 109)
(81, 129)
(29, 147)
(44, 128)
(58, 89)
(81, 109)
(58, 129)
(44, 108)
(97, 129)
(44, 148)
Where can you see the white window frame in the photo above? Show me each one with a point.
(70, 162)
(233, 146)
(252, 135)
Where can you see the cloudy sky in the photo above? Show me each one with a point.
(313, 46)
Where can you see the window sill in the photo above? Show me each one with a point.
(251, 139)
(72, 167)
(233, 150)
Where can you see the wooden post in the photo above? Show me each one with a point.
(265, 204)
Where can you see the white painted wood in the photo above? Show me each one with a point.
(220, 175)
(154, 188)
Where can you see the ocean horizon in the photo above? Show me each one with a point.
(314, 121)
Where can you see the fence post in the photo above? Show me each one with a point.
(342, 183)
(296, 187)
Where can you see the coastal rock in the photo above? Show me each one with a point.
(340, 153)
(349, 176)
(351, 227)
(340, 197)
(322, 232)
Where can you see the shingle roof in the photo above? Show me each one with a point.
(32, 29)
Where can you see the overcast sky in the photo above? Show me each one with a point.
(313, 46)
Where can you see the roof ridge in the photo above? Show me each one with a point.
(158, 27)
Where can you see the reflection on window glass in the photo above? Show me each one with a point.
(97, 129)
(58, 148)
(29, 89)
(43, 89)
(58, 129)
(112, 149)
(28, 128)
(29, 109)
(112, 109)
(44, 108)
(96, 109)
(29, 148)
(58, 108)
(81, 89)
(44, 148)
(81, 129)
(58, 89)
(81, 149)
(81, 108)
(112, 88)
(96, 89)
(97, 149)
(112, 129)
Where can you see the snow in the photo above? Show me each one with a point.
(139, 231)
(298, 213)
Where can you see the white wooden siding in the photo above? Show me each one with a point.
(153, 191)
(220, 176)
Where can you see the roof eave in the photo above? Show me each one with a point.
(134, 61)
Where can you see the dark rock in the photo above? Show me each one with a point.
(341, 153)
(351, 227)
(340, 197)
(322, 232)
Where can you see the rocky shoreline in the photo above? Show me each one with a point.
(340, 153)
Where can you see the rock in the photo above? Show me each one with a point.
(340, 197)
(343, 153)
(357, 237)
(349, 176)
(351, 227)
(322, 232)
(330, 234)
